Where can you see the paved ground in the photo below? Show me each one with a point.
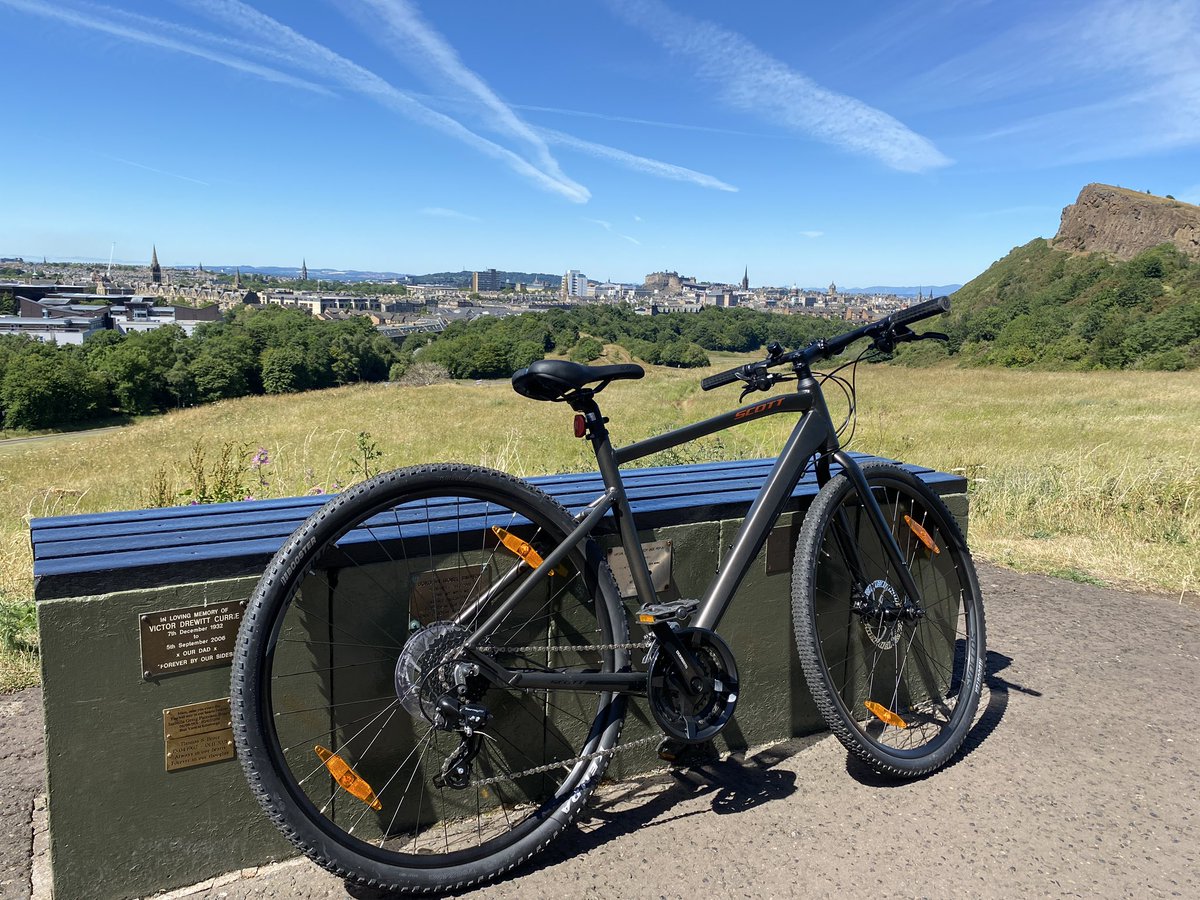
(1080, 779)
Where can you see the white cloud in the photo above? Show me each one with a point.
(315, 57)
(812, 234)
(642, 164)
(441, 212)
(753, 81)
(413, 41)
(111, 26)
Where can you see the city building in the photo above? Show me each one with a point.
(575, 284)
(485, 281)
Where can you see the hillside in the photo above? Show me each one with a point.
(1117, 288)
(1047, 308)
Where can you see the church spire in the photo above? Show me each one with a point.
(237, 278)
(155, 268)
(746, 279)
(303, 270)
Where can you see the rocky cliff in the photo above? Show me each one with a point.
(1123, 223)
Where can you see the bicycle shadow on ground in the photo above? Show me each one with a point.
(735, 784)
(994, 705)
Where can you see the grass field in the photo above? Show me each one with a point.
(1090, 476)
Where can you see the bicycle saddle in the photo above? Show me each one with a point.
(554, 379)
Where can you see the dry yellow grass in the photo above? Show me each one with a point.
(1089, 475)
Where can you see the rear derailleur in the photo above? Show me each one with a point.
(466, 719)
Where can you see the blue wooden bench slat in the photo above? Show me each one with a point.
(76, 555)
(244, 520)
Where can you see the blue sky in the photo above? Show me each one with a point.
(858, 142)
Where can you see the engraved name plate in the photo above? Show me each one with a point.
(658, 558)
(440, 594)
(197, 734)
(194, 637)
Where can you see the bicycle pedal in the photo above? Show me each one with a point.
(671, 611)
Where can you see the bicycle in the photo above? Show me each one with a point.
(432, 675)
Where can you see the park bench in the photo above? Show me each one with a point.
(136, 612)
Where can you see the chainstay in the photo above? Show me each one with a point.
(566, 763)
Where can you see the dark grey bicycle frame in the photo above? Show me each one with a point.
(814, 434)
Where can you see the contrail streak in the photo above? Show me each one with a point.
(79, 20)
(406, 30)
(642, 164)
(317, 58)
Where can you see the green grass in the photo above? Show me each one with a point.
(1092, 474)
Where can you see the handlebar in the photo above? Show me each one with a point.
(895, 324)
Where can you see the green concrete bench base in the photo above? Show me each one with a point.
(121, 825)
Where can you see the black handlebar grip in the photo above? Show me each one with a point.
(934, 307)
(729, 376)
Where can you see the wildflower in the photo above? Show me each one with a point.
(260, 458)
(317, 490)
(248, 497)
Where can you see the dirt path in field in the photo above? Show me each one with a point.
(1082, 778)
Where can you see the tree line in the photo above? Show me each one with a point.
(268, 351)
(276, 350)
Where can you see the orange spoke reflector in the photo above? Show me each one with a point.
(883, 714)
(347, 779)
(518, 546)
(922, 534)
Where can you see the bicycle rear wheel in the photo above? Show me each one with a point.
(899, 689)
(351, 687)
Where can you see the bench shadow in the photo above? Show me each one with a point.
(735, 784)
(997, 698)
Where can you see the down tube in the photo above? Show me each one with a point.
(810, 435)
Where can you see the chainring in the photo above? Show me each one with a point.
(687, 718)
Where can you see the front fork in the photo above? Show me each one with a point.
(848, 545)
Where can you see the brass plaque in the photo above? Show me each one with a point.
(658, 558)
(197, 734)
(441, 593)
(194, 637)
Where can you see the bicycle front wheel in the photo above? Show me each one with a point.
(370, 735)
(898, 682)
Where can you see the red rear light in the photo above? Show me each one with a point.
(580, 425)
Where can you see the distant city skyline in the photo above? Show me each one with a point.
(867, 144)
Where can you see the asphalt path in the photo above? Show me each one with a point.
(1081, 778)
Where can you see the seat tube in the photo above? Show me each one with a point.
(602, 446)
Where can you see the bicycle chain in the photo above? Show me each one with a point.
(566, 648)
(566, 763)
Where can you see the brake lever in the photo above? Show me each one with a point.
(760, 381)
(886, 343)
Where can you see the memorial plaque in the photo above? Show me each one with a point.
(194, 637)
(197, 734)
(441, 593)
(658, 558)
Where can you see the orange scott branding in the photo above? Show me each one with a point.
(756, 410)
